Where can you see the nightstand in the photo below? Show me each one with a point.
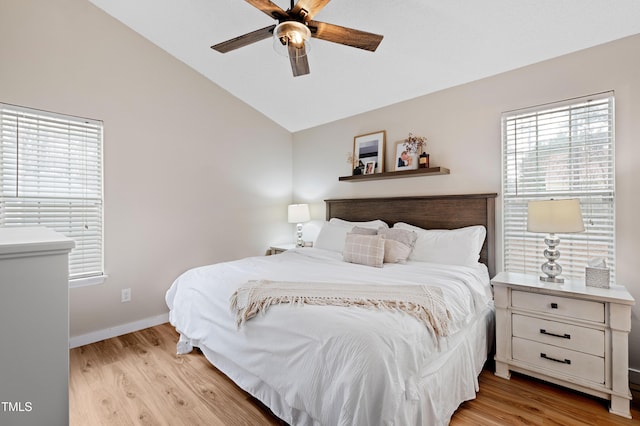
(280, 248)
(568, 334)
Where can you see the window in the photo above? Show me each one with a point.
(51, 175)
(563, 150)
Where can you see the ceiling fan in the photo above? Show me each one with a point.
(294, 28)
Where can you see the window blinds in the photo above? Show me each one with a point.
(563, 150)
(51, 175)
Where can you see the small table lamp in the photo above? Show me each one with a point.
(552, 216)
(299, 213)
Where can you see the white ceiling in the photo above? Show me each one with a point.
(428, 45)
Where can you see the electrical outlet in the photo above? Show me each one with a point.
(125, 295)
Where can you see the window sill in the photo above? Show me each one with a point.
(88, 281)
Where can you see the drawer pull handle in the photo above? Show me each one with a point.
(563, 336)
(565, 361)
(554, 306)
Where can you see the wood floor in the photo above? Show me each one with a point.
(137, 379)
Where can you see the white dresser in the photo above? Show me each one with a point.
(568, 334)
(34, 327)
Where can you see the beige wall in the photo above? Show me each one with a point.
(463, 128)
(192, 175)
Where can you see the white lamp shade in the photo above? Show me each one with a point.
(298, 213)
(555, 216)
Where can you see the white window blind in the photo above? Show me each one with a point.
(563, 150)
(51, 175)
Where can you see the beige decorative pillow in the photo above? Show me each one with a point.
(375, 224)
(398, 244)
(396, 252)
(364, 231)
(401, 235)
(364, 249)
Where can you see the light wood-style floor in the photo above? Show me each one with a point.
(137, 379)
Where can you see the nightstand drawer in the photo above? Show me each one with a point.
(559, 334)
(557, 305)
(572, 363)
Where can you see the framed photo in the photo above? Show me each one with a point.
(404, 160)
(369, 167)
(369, 148)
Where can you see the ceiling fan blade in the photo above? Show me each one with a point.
(268, 7)
(346, 36)
(244, 40)
(299, 60)
(311, 6)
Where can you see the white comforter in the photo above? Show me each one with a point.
(340, 365)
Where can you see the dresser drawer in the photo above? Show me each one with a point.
(572, 363)
(557, 305)
(559, 334)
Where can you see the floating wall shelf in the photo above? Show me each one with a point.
(394, 175)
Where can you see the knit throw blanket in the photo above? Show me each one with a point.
(423, 302)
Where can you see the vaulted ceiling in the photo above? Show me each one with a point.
(428, 45)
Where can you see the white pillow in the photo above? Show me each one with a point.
(450, 246)
(364, 249)
(332, 237)
(375, 224)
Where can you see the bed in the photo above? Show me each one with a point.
(343, 364)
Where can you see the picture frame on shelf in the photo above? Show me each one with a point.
(403, 159)
(370, 148)
(369, 167)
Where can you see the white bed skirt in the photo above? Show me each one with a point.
(451, 379)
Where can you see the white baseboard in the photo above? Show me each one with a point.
(634, 376)
(107, 333)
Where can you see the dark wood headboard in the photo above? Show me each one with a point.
(429, 212)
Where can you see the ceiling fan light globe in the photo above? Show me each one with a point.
(291, 34)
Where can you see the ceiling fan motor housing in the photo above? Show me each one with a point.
(291, 33)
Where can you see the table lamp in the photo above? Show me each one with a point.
(298, 213)
(551, 217)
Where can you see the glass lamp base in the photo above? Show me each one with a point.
(550, 268)
(299, 240)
